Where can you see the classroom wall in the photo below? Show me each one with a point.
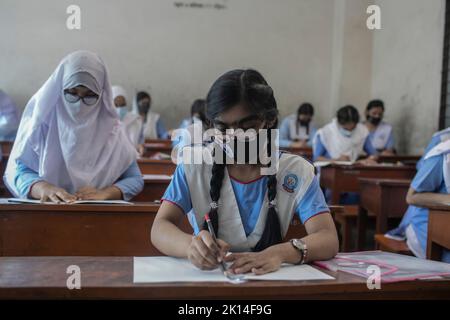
(317, 51)
(406, 68)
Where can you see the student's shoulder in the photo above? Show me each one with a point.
(290, 161)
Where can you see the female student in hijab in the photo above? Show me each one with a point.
(437, 138)
(250, 212)
(9, 118)
(380, 133)
(153, 127)
(132, 122)
(430, 186)
(70, 144)
(296, 130)
(344, 139)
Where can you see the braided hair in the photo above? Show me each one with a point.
(250, 89)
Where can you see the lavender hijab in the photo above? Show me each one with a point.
(72, 145)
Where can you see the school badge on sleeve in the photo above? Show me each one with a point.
(290, 182)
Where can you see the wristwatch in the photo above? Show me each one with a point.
(300, 245)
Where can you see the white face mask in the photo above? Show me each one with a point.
(345, 132)
(122, 111)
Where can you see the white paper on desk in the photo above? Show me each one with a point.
(156, 177)
(18, 200)
(169, 269)
(319, 164)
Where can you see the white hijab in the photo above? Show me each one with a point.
(72, 145)
(337, 144)
(442, 148)
(132, 122)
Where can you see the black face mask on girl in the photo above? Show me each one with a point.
(374, 120)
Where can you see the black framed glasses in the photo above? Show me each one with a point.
(73, 97)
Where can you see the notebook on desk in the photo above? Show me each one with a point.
(25, 201)
(169, 269)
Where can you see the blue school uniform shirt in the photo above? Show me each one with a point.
(435, 140)
(429, 178)
(319, 149)
(130, 182)
(183, 125)
(390, 142)
(285, 133)
(249, 198)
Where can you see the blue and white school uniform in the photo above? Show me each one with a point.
(130, 182)
(153, 127)
(433, 176)
(289, 131)
(189, 132)
(437, 138)
(330, 143)
(382, 138)
(243, 206)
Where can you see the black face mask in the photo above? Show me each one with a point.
(373, 120)
(143, 108)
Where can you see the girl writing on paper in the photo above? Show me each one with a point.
(380, 133)
(297, 130)
(153, 127)
(70, 144)
(250, 208)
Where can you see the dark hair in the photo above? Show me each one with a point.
(305, 108)
(374, 104)
(250, 89)
(348, 114)
(199, 106)
(142, 95)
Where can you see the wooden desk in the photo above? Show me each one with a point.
(342, 178)
(112, 278)
(153, 190)
(78, 230)
(167, 142)
(305, 152)
(383, 199)
(405, 159)
(150, 149)
(438, 231)
(150, 166)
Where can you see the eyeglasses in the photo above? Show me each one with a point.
(73, 97)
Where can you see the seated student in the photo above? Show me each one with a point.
(430, 186)
(344, 139)
(9, 118)
(131, 121)
(250, 212)
(437, 138)
(153, 127)
(380, 133)
(296, 130)
(193, 127)
(70, 144)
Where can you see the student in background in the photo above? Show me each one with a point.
(193, 126)
(9, 118)
(380, 133)
(132, 122)
(437, 138)
(70, 144)
(153, 127)
(430, 186)
(344, 139)
(297, 130)
(250, 212)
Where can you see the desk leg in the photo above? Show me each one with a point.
(361, 228)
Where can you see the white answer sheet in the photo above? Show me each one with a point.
(169, 269)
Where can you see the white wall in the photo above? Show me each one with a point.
(406, 68)
(309, 50)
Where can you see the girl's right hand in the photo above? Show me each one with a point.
(343, 158)
(45, 191)
(205, 253)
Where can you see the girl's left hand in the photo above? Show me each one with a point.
(91, 193)
(268, 260)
